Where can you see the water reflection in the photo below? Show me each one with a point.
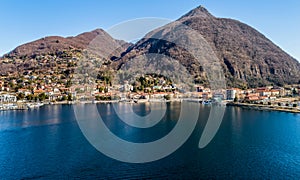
(249, 145)
(123, 130)
(46, 115)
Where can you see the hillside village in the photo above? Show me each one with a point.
(53, 89)
(49, 79)
(44, 71)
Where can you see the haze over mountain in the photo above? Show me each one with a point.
(247, 57)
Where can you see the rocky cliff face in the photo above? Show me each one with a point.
(247, 57)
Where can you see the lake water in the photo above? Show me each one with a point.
(47, 143)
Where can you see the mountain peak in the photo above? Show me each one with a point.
(199, 11)
(92, 34)
(247, 57)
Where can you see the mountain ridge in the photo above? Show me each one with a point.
(248, 58)
(52, 44)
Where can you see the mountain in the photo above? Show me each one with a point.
(248, 58)
(56, 44)
(48, 52)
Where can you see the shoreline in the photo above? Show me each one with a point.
(259, 107)
(265, 107)
(129, 101)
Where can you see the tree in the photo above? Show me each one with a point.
(35, 98)
(64, 98)
(42, 96)
(70, 97)
(106, 90)
(101, 89)
(167, 97)
(68, 84)
(134, 89)
(235, 99)
(141, 88)
(294, 91)
(97, 98)
(20, 96)
(29, 97)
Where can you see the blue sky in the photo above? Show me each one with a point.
(24, 21)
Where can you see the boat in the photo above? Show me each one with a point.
(34, 105)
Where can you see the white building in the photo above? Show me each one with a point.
(126, 88)
(7, 98)
(219, 96)
(230, 94)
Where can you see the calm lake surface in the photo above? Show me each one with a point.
(47, 143)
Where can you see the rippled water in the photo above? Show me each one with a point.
(47, 143)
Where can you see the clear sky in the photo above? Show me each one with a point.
(24, 21)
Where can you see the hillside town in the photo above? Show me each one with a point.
(32, 92)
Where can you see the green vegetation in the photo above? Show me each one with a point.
(167, 97)
(64, 98)
(42, 97)
(70, 97)
(105, 77)
(103, 98)
(20, 96)
(235, 99)
(29, 97)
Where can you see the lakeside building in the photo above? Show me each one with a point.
(202, 89)
(252, 97)
(219, 95)
(206, 96)
(8, 98)
(281, 90)
(231, 94)
(126, 87)
(275, 92)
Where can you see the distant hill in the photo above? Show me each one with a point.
(56, 44)
(48, 52)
